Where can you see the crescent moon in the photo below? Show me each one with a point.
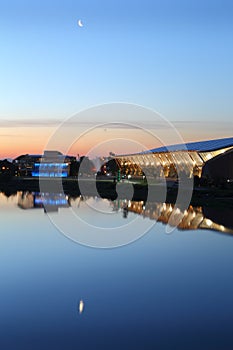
(80, 23)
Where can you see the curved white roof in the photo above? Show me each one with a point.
(200, 146)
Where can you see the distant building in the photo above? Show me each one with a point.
(25, 163)
(50, 164)
(188, 159)
(7, 168)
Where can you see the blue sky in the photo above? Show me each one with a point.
(173, 56)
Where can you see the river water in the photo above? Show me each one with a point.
(149, 288)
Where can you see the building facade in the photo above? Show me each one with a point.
(50, 164)
(188, 159)
(25, 163)
(220, 168)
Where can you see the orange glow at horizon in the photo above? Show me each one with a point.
(96, 142)
(31, 140)
(23, 140)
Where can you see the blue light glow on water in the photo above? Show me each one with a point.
(159, 292)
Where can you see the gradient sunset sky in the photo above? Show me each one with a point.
(174, 57)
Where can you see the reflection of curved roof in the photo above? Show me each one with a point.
(200, 146)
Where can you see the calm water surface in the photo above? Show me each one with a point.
(162, 291)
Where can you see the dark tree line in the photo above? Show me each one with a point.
(82, 167)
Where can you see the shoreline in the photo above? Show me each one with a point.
(124, 190)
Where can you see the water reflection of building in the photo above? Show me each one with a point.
(192, 218)
(47, 201)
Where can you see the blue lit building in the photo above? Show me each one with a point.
(52, 164)
(51, 169)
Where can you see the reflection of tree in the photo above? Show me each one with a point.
(125, 211)
(8, 192)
